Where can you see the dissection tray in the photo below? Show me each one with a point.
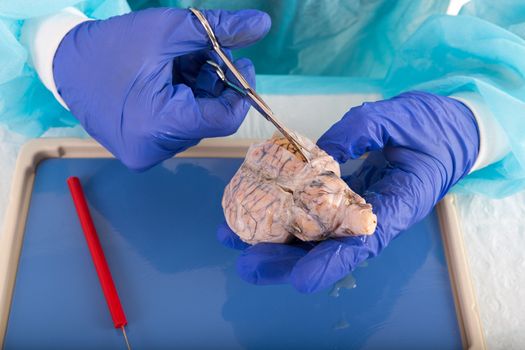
(179, 286)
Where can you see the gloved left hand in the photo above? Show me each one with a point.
(420, 145)
(139, 84)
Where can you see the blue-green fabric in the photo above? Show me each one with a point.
(327, 47)
(508, 14)
(448, 55)
(26, 106)
(335, 37)
(325, 38)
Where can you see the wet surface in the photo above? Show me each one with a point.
(178, 285)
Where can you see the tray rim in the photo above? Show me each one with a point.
(37, 150)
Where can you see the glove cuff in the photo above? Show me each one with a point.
(493, 141)
(42, 36)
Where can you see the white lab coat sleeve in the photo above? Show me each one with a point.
(42, 36)
(493, 142)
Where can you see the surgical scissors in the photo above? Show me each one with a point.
(245, 89)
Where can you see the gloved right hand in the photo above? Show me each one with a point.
(139, 84)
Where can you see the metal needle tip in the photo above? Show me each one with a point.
(126, 337)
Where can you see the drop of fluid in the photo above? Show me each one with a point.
(347, 282)
(342, 324)
(363, 264)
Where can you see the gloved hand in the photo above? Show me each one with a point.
(138, 83)
(421, 144)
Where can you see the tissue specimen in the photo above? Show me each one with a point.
(275, 196)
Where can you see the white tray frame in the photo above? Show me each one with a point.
(35, 151)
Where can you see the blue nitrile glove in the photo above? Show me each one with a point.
(138, 83)
(421, 144)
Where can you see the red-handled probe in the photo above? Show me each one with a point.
(104, 275)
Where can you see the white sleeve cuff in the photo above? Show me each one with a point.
(42, 36)
(493, 142)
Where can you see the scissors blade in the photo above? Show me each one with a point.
(261, 107)
(255, 100)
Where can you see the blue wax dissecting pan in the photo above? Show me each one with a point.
(179, 286)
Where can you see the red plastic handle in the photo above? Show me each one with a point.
(104, 275)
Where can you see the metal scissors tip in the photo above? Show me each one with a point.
(244, 88)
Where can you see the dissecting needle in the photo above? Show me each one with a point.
(97, 254)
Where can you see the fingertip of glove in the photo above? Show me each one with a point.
(258, 20)
(306, 280)
(266, 22)
(247, 266)
(136, 163)
(333, 148)
(321, 267)
(229, 239)
(245, 271)
(240, 28)
(245, 64)
(268, 263)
